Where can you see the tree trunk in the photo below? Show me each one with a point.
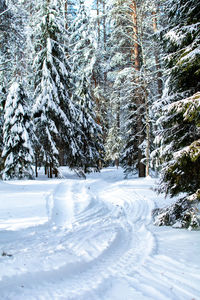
(36, 166)
(50, 171)
(56, 173)
(157, 61)
(66, 7)
(147, 118)
(136, 57)
(147, 133)
(117, 162)
(138, 94)
(98, 21)
(48, 174)
(104, 40)
(104, 25)
(97, 100)
(141, 166)
(46, 170)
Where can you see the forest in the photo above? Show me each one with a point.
(90, 84)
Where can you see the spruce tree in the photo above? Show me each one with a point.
(83, 59)
(179, 136)
(120, 63)
(113, 142)
(13, 20)
(131, 135)
(54, 113)
(127, 91)
(17, 152)
(91, 137)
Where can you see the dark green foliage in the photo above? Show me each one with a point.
(182, 214)
(183, 175)
(92, 147)
(83, 61)
(181, 117)
(182, 44)
(179, 136)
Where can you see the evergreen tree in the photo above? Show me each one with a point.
(55, 115)
(6, 40)
(181, 43)
(120, 63)
(114, 141)
(83, 60)
(82, 46)
(130, 128)
(181, 169)
(13, 19)
(179, 136)
(91, 141)
(17, 152)
(128, 95)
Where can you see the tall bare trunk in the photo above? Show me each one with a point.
(97, 100)
(135, 36)
(36, 165)
(98, 20)
(104, 25)
(139, 97)
(118, 129)
(147, 154)
(66, 7)
(50, 171)
(147, 118)
(157, 61)
(104, 37)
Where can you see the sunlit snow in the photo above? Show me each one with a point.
(92, 239)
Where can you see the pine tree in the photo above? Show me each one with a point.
(17, 152)
(181, 169)
(131, 134)
(113, 144)
(13, 19)
(55, 115)
(99, 31)
(120, 63)
(82, 49)
(127, 87)
(91, 140)
(83, 60)
(179, 136)
(6, 40)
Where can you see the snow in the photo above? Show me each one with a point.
(92, 239)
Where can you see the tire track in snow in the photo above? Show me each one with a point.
(108, 245)
(116, 257)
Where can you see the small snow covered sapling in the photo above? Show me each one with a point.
(17, 152)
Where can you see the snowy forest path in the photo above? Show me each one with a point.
(97, 244)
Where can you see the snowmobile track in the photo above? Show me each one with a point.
(91, 246)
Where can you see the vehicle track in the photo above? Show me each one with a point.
(92, 246)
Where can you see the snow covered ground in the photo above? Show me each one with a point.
(93, 239)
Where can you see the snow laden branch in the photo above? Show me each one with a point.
(5, 11)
